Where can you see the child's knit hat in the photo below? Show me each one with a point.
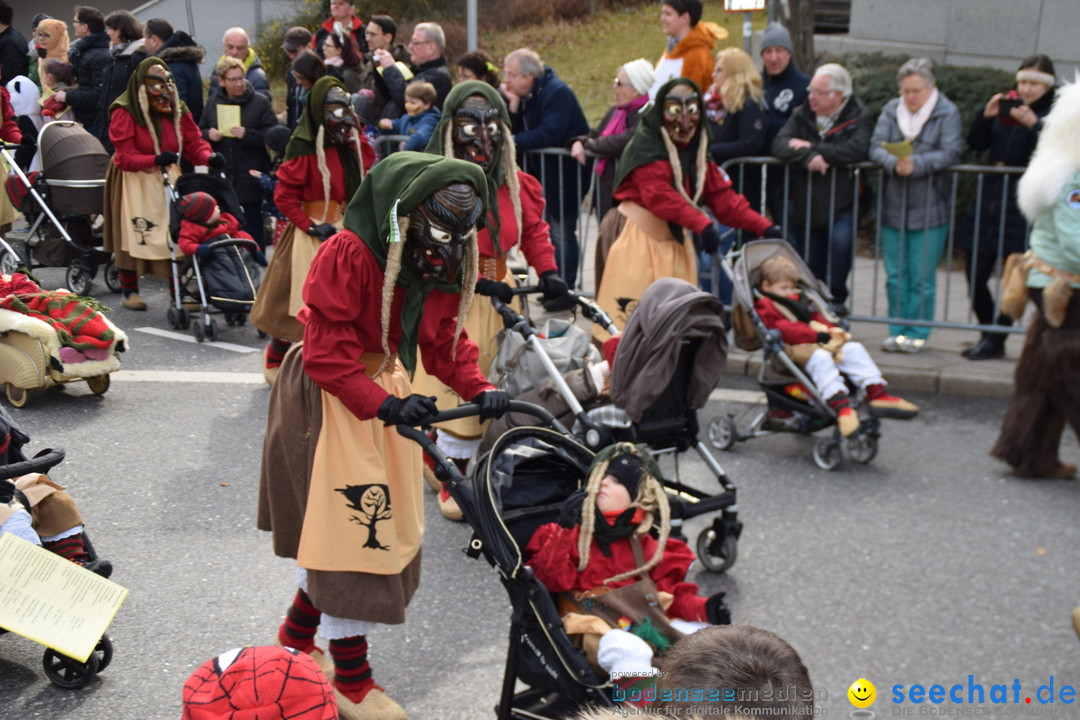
(197, 207)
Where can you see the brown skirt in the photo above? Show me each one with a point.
(112, 231)
(293, 425)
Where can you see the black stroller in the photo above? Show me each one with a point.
(224, 281)
(666, 421)
(788, 389)
(63, 204)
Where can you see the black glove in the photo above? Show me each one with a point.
(493, 404)
(260, 258)
(166, 159)
(823, 337)
(410, 410)
(322, 231)
(775, 232)
(202, 250)
(570, 515)
(28, 140)
(553, 286)
(716, 612)
(494, 288)
(7, 491)
(216, 161)
(710, 239)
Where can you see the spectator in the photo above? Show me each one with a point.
(631, 89)
(1011, 139)
(58, 77)
(50, 42)
(297, 39)
(13, 46)
(25, 97)
(342, 59)
(182, 55)
(307, 68)
(31, 49)
(238, 45)
(343, 20)
(785, 89)
(88, 57)
(243, 146)
(735, 108)
(426, 50)
(915, 197)
(125, 54)
(544, 112)
(381, 32)
(689, 45)
(832, 129)
(420, 119)
(478, 65)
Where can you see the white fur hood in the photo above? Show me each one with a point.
(1057, 156)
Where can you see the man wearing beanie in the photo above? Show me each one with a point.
(689, 46)
(785, 89)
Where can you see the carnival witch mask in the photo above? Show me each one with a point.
(160, 89)
(338, 117)
(477, 135)
(439, 230)
(681, 114)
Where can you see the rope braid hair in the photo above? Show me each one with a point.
(651, 498)
(355, 135)
(700, 168)
(324, 170)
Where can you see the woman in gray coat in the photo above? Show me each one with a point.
(915, 197)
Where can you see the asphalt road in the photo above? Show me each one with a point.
(926, 566)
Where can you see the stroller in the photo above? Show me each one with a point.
(226, 280)
(786, 386)
(516, 487)
(663, 417)
(63, 671)
(63, 204)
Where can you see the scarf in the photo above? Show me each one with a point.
(799, 305)
(911, 124)
(617, 124)
(394, 188)
(609, 527)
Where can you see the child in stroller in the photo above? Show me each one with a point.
(594, 558)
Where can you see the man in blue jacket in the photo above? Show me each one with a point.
(544, 113)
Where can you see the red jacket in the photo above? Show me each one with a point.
(535, 241)
(134, 147)
(9, 129)
(299, 181)
(793, 332)
(553, 557)
(192, 235)
(652, 187)
(342, 296)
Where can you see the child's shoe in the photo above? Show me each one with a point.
(882, 404)
(448, 506)
(847, 420)
(376, 705)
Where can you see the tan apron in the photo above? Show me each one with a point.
(7, 210)
(144, 213)
(365, 508)
(644, 252)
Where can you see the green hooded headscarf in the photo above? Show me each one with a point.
(400, 183)
(442, 143)
(302, 141)
(129, 99)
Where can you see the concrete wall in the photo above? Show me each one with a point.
(998, 33)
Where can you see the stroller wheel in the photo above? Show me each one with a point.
(17, 396)
(172, 316)
(80, 277)
(112, 276)
(9, 262)
(99, 384)
(723, 433)
(211, 331)
(199, 332)
(103, 651)
(67, 672)
(185, 320)
(862, 447)
(827, 453)
(716, 554)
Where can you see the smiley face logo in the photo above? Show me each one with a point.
(862, 693)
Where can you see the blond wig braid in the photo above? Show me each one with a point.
(324, 171)
(701, 162)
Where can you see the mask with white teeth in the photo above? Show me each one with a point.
(477, 135)
(439, 229)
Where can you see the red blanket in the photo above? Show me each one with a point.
(76, 324)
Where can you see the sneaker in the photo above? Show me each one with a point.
(913, 345)
(448, 506)
(882, 404)
(133, 302)
(893, 343)
(847, 420)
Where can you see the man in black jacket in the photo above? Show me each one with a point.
(87, 57)
(13, 58)
(182, 55)
(426, 48)
(829, 131)
(237, 44)
(297, 39)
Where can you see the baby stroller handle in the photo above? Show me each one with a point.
(40, 463)
(469, 410)
(234, 242)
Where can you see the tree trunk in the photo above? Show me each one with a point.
(801, 26)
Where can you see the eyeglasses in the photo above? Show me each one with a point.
(508, 74)
(617, 82)
(814, 91)
(413, 43)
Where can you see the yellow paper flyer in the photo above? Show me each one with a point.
(902, 150)
(228, 117)
(53, 601)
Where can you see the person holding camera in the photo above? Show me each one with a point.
(993, 228)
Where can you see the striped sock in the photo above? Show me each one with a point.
(129, 282)
(301, 622)
(275, 352)
(352, 673)
(71, 547)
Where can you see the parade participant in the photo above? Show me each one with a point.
(1046, 397)
(476, 127)
(395, 283)
(325, 161)
(664, 178)
(151, 130)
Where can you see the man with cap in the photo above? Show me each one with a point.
(785, 89)
(689, 45)
(296, 40)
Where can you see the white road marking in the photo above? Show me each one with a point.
(750, 397)
(243, 349)
(220, 378)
